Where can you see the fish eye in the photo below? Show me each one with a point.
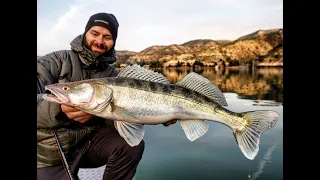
(65, 88)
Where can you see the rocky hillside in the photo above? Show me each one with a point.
(264, 46)
(123, 56)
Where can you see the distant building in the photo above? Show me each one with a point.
(220, 64)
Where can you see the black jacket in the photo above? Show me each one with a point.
(76, 64)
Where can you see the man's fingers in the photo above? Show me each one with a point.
(77, 114)
(170, 122)
(67, 109)
(83, 119)
(167, 123)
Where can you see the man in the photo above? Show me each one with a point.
(86, 141)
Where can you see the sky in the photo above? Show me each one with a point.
(145, 23)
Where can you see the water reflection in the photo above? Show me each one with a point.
(169, 155)
(266, 158)
(257, 84)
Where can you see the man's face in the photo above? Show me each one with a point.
(99, 39)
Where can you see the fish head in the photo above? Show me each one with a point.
(80, 94)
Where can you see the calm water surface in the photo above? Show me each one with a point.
(169, 155)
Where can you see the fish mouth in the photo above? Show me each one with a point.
(53, 95)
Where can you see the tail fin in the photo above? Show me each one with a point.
(258, 122)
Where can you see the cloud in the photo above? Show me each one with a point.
(56, 34)
(145, 23)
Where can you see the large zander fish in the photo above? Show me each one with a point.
(138, 96)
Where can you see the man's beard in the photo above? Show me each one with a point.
(100, 46)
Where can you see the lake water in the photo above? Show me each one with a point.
(169, 155)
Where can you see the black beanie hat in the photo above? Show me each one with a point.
(105, 20)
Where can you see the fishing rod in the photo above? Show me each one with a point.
(61, 152)
(64, 160)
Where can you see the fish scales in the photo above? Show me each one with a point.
(164, 89)
(170, 100)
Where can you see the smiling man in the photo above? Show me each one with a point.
(64, 133)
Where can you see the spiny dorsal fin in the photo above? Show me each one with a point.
(137, 72)
(200, 84)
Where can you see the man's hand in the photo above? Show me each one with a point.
(82, 117)
(170, 122)
(75, 114)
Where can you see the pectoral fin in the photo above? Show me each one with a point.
(122, 113)
(194, 128)
(131, 133)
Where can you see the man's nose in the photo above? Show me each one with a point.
(100, 40)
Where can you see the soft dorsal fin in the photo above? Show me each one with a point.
(202, 85)
(137, 72)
